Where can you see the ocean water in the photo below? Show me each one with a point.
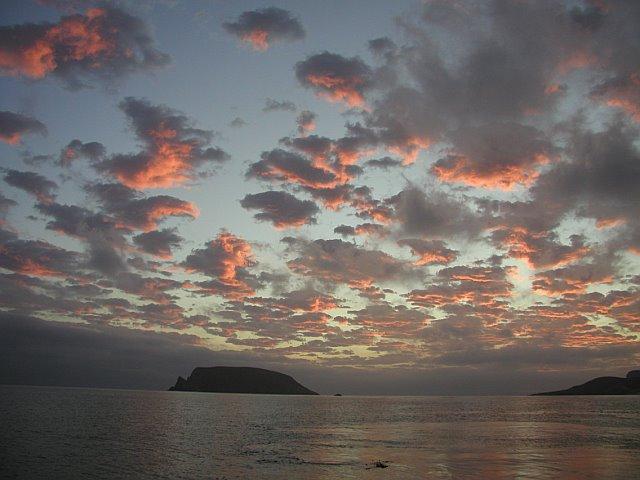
(69, 433)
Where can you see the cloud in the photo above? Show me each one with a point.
(540, 249)
(36, 258)
(33, 183)
(435, 215)
(173, 150)
(14, 125)
(572, 279)
(105, 43)
(102, 235)
(75, 149)
(5, 205)
(132, 211)
(598, 178)
(371, 229)
(382, 46)
(271, 105)
(482, 288)
(345, 230)
(384, 163)
(495, 155)
(39, 352)
(287, 166)
(158, 242)
(336, 261)
(430, 252)
(336, 78)
(621, 93)
(306, 122)
(280, 208)
(260, 28)
(237, 123)
(225, 260)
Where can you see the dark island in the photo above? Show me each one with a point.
(239, 380)
(630, 385)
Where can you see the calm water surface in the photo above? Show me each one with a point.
(49, 433)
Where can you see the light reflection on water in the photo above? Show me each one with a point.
(107, 434)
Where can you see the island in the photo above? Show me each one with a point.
(240, 380)
(629, 385)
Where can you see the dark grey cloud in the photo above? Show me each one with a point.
(385, 163)
(5, 205)
(237, 123)
(429, 252)
(103, 236)
(345, 230)
(34, 183)
(271, 105)
(495, 155)
(38, 352)
(306, 122)
(75, 150)
(335, 77)
(382, 46)
(283, 165)
(158, 242)
(131, 210)
(262, 27)
(337, 261)
(36, 258)
(105, 44)
(436, 215)
(281, 208)
(598, 179)
(13, 126)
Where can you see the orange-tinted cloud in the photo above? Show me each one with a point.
(539, 249)
(174, 149)
(409, 149)
(429, 252)
(260, 28)
(225, 260)
(131, 211)
(622, 93)
(104, 42)
(478, 286)
(573, 279)
(336, 78)
(36, 258)
(500, 156)
(33, 183)
(462, 170)
(14, 125)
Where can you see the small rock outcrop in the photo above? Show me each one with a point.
(240, 380)
(629, 385)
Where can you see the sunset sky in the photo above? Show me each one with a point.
(376, 196)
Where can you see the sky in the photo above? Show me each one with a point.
(410, 197)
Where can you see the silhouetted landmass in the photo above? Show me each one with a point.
(240, 380)
(630, 385)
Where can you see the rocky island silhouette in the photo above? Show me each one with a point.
(240, 380)
(629, 385)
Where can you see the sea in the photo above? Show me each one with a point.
(81, 433)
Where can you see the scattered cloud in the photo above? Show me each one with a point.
(104, 43)
(260, 28)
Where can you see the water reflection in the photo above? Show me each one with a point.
(80, 433)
